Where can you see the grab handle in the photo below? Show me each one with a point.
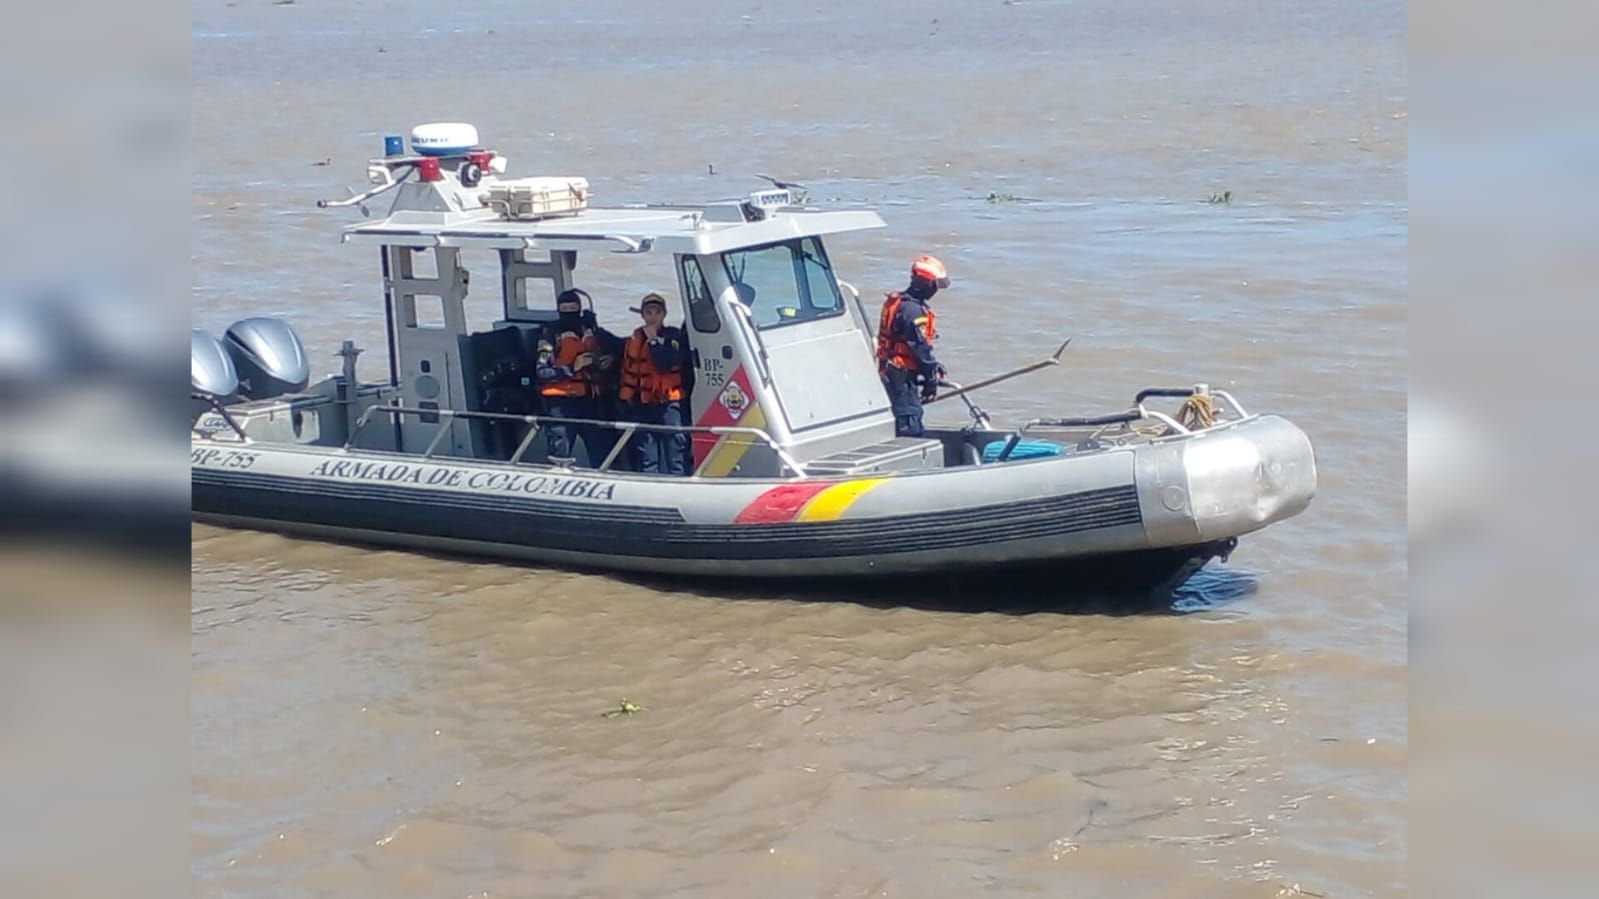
(1177, 392)
(753, 332)
(1130, 415)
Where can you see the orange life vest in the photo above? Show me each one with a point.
(893, 350)
(568, 347)
(641, 380)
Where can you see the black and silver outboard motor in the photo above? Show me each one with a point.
(211, 371)
(269, 358)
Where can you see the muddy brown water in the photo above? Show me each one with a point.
(380, 723)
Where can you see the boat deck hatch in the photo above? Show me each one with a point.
(897, 454)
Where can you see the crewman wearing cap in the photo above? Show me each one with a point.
(905, 335)
(652, 391)
(574, 355)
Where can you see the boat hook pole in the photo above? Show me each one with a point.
(989, 382)
(980, 418)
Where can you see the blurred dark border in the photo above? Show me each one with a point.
(1504, 132)
(93, 301)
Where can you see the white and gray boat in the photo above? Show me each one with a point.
(797, 471)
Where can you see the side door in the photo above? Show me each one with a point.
(821, 369)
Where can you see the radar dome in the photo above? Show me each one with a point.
(443, 138)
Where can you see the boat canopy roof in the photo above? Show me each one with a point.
(692, 230)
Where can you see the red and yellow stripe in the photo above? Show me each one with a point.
(725, 454)
(805, 502)
(715, 456)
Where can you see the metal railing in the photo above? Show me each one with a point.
(1185, 392)
(1139, 412)
(536, 422)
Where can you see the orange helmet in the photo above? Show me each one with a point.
(930, 269)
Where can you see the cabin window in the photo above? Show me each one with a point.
(785, 283)
(701, 306)
(428, 312)
(421, 264)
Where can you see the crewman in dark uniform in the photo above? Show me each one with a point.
(905, 336)
(653, 366)
(574, 356)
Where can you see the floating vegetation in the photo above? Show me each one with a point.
(625, 707)
(1223, 198)
(996, 198)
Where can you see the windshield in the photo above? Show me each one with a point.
(785, 283)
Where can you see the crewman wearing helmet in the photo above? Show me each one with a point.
(575, 357)
(905, 335)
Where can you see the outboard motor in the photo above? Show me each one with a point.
(269, 357)
(210, 367)
(211, 371)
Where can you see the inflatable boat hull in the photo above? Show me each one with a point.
(1170, 502)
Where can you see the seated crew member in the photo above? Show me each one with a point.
(653, 366)
(905, 335)
(574, 354)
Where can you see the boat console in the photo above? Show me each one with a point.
(764, 312)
